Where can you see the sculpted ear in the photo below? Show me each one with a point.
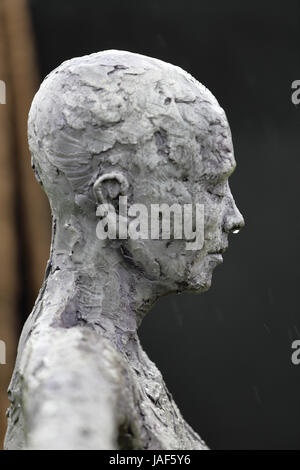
(109, 190)
(110, 186)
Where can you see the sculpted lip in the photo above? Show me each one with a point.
(215, 258)
(218, 252)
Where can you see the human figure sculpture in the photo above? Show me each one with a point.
(102, 126)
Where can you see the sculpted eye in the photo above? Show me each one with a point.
(218, 190)
(218, 193)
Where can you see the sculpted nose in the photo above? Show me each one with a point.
(233, 220)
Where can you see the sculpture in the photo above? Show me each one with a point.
(102, 126)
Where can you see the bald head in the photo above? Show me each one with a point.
(118, 110)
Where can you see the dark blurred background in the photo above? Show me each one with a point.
(225, 355)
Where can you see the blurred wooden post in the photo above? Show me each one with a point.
(25, 82)
(8, 245)
(24, 212)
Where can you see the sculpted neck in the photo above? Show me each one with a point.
(94, 286)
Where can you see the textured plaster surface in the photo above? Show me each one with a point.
(82, 379)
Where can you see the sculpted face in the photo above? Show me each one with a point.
(221, 217)
(168, 260)
(201, 176)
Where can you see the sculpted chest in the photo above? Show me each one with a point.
(156, 422)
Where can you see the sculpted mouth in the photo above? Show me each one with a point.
(218, 252)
